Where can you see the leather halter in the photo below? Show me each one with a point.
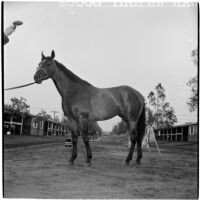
(48, 75)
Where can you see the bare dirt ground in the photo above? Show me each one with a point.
(44, 172)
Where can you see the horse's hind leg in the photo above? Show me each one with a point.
(139, 150)
(141, 133)
(133, 134)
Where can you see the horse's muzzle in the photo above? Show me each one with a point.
(37, 80)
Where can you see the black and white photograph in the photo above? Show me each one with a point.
(100, 100)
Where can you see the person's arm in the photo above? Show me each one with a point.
(5, 39)
(10, 30)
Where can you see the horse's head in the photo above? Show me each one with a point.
(45, 68)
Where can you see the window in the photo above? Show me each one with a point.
(159, 133)
(191, 128)
(35, 124)
(41, 124)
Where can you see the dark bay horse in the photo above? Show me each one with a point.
(83, 103)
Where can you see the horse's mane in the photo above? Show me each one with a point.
(70, 74)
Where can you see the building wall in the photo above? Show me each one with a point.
(179, 133)
(54, 129)
(27, 126)
(31, 126)
(12, 123)
(36, 127)
(193, 132)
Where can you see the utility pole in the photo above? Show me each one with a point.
(54, 112)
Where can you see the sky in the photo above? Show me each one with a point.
(104, 44)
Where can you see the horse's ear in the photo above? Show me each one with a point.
(43, 57)
(53, 54)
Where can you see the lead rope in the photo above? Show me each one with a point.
(21, 86)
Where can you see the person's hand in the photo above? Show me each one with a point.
(17, 23)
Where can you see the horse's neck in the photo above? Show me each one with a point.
(64, 85)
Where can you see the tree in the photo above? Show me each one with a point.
(149, 116)
(120, 128)
(94, 129)
(152, 99)
(192, 83)
(56, 119)
(115, 129)
(159, 113)
(194, 56)
(193, 100)
(18, 106)
(43, 115)
(169, 116)
(65, 120)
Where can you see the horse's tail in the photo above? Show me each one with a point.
(141, 124)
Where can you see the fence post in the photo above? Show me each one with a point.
(21, 126)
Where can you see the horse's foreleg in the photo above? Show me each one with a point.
(74, 148)
(86, 142)
(89, 151)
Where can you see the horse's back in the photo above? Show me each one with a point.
(132, 92)
(127, 93)
(121, 99)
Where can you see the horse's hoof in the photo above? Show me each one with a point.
(125, 164)
(138, 162)
(89, 164)
(71, 164)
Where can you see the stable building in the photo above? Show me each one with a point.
(13, 122)
(185, 132)
(33, 126)
(27, 124)
(52, 128)
(39, 126)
